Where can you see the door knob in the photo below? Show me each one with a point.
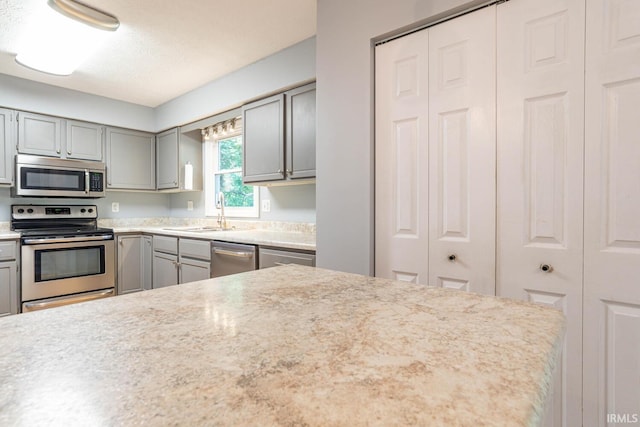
(546, 268)
(452, 257)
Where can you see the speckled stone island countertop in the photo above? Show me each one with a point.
(288, 345)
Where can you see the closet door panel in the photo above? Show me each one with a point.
(401, 186)
(462, 151)
(540, 130)
(612, 214)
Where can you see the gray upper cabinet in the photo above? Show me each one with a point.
(131, 159)
(39, 134)
(7, 146)
(167, 162)
(83, 140)
(176, 152)
(301, 132)
(263, 134)
(55, 137)
(280, 137)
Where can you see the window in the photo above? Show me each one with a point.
(223, 157)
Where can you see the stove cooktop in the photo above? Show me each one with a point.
(49, 221)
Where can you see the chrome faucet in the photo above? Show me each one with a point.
(222, 221)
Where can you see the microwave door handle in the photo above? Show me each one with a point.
(86, 181)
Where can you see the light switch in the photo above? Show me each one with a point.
(189, 205)
(266, 205)
(115, 207)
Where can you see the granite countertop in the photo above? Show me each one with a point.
(9, 235)
(276, 238)
(287, 345)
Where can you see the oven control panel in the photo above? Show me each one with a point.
(51, 212)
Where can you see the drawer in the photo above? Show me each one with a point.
(199, 249)
(8, 250)
(272, 257)
(165, 244)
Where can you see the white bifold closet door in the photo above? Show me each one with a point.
(435, 155)
(540, 125)
(612, 214)
(402, 149)
(462, 152)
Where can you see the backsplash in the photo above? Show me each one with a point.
(303, 227)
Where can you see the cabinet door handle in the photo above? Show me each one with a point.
(58, 151)
(289, 172)
(452, 257)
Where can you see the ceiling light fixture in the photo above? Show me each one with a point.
(64, 34)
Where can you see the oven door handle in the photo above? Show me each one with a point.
(33, 241)
(58, 302)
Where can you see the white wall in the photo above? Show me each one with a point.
(344, 72)
(132, 204)
(27, 95)
(290, 66)
(295, 203)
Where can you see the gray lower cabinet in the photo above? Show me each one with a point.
(7, 145)
(192, 270)
(165, 261)
(165, 270)
(9, 278)
(195, 260)
(280, 137)
(274, 257)
(180, 260)
(131, 159)
(134, 263)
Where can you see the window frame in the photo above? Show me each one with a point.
(210, 197)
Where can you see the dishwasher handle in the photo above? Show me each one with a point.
(237, 254)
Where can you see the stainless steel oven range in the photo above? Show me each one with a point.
(66, 257)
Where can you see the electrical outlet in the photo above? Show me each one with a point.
(189, 205)
(115, 207)
(266, 205)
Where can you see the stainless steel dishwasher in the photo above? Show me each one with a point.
(230, 258)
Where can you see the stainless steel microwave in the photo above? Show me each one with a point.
(38, 176)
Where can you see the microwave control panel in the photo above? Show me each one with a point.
(96, 181)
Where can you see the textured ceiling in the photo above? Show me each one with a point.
(165, 48)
